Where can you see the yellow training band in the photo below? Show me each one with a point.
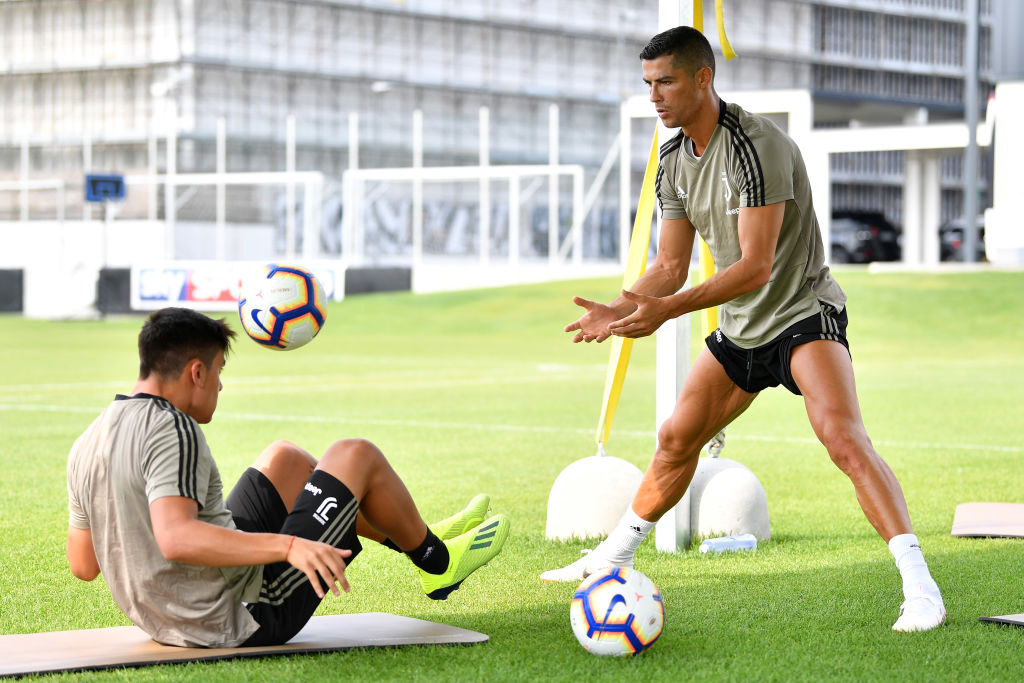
(636, 264)
(709, 316)
(720, 18)
(698, 23)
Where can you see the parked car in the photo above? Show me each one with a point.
(951, 240)
(862, 237)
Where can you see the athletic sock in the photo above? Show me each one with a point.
(327, 500)
(906, 550)
(431, 555)
(622, 542)
(388, 543)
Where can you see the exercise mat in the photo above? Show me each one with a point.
(129, 646)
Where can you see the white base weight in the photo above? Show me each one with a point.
(590, 496)
(724, 499)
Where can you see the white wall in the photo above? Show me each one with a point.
(62, 261)
(74, 244)
(1004, 235)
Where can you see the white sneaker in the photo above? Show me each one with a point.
(921, 613)
(590, 563)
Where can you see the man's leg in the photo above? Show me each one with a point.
(288, 467)
(266, 492)
(824, 373)
(352, 486)
(288, 491)
(385, 504)
(387, 507)
(708, 402)
(387, 513)
(263, 501)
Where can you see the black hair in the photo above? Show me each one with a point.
(171, 337)
(688, 47)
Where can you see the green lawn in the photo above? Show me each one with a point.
(482, 391)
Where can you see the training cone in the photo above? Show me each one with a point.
(590, 496)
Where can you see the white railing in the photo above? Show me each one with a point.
(354, 182)
(24, 186)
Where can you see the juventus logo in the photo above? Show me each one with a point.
(728, 190)
(321, 514)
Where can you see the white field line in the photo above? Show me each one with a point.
(281, 385)
(21, 389)
(375, 384)
(416, 379)
(497, 427)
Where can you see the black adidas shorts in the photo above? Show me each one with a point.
(325, 511)
(768, 365)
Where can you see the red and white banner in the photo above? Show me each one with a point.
(209, 285)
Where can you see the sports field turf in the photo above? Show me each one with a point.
(482, 391)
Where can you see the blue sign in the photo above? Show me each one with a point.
(104, 188)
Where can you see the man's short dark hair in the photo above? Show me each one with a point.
(171, 337)
(688, 47)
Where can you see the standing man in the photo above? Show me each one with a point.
(740, 181)
(147, 509)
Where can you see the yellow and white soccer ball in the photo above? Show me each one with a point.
(617, 612)
(282, 306)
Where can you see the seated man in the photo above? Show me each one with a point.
(147, 509)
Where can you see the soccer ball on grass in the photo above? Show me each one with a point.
(617, 612)
(282, 307)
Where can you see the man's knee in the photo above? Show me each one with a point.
(344, 457)
(675, 448)
(283, 455)
(852, 453)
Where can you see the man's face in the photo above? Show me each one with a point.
(675, 93)
(209, 391)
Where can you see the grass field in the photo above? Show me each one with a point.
(482, 391)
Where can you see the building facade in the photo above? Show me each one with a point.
(119, 73)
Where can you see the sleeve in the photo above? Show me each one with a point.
(77, 517)
(177, 459)
(763, 171)
(664, 185)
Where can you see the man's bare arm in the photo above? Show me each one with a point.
(80, 554)
(758, 231)
(671, 266)
(665, 275)
(183, 537)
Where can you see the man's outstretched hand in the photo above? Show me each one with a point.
(593, 324)
(651, 312)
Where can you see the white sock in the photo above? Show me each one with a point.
(625, 538)
(906, 550)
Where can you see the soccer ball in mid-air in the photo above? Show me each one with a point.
(617, 612)
(282, 307)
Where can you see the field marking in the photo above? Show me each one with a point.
(437, 424)
(418, 378)
(64, 386)
(279, 385)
